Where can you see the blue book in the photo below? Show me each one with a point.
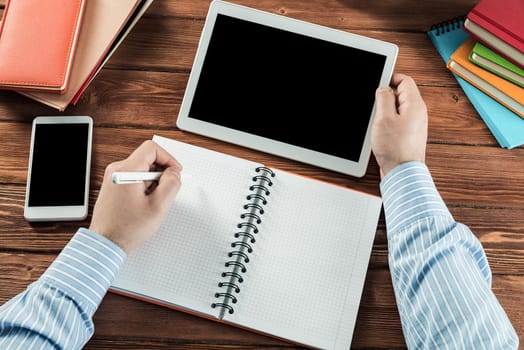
(506, 126)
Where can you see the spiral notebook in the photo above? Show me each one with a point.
(506, 126)
(259, 248)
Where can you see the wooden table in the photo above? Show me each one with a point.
(138, 94)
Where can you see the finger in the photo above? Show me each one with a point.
(110, 168)
(398, 78)
(149, 153)
(168, 186)
(385, 102)
(406, 85)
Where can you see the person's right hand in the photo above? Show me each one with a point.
(400, 128)
(130, 214)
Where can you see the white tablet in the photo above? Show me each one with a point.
(286, 87)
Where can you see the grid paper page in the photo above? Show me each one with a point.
(310, 262)
(182, 263)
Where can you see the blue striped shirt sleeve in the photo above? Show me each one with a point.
(440, 274)
(55, 312)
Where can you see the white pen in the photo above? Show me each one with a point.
(122, 178)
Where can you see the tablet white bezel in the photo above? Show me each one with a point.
(64, 212)
(349, 167)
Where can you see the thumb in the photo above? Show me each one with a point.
(168, 186)
(385, 103)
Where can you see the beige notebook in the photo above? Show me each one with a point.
(104, 22)
(259, 248)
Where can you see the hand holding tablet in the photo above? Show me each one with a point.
(286, 87)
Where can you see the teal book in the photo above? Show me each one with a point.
(488, 59)
(506, 126)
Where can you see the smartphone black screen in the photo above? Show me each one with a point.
(59, 164)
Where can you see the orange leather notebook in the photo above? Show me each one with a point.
(37, 44)
(502, 90)
(105, 23)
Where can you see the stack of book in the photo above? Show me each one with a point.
(51, 52)
(492, 57)
(484, 51)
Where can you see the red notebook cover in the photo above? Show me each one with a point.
(504, 19)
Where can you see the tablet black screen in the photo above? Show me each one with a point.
(287, 87)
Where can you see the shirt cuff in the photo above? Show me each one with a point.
(85, 268)
(409, 194)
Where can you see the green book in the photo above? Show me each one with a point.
(488, 59)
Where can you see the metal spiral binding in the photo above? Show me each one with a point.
(246, 234)
(449, 25)
(245, 238)
(242, 254)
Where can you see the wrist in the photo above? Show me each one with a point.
(386, 167)
(104, 240)
(110, 237)
(401, 167)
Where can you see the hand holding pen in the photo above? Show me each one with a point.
(129, 215)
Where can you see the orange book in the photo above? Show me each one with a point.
(103, 22)
(37, 44)
(505, 92)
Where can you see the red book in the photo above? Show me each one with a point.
(499, 25)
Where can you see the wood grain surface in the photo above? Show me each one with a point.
(138, 94)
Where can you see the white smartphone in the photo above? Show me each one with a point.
(59, 169)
